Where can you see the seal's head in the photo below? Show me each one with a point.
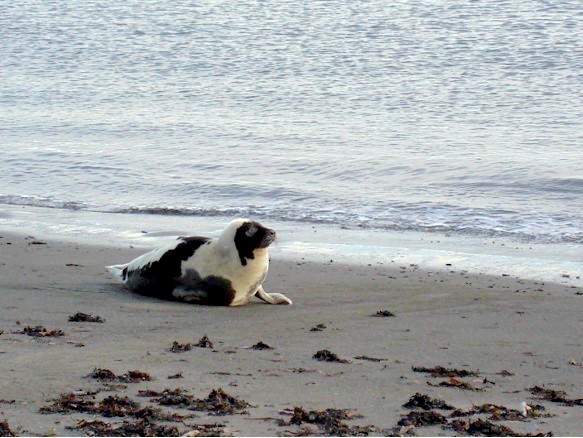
(248, 236)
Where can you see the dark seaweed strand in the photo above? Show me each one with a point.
(160, 277)
(247, 244)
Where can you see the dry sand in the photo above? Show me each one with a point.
(515, 334)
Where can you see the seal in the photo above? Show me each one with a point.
(224, 271)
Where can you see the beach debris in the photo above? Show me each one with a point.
(440, 371)
(481, 427)
(110, 406)
(5, 429)
(219, 402)
(371, 359)
(427, 403)
(318, 328)
(176, 376)
(555, 396)
(39, 331)
(37, 242)
(204, 342)
(328, 356)
(261, 346)
(215, 429)
(85, 317)
(505, 373)
(452, 382)
(331, 421)
(180, 348)
(70, 402)
(141, 427)
(422, 418)
(169, 397)
(383, 314)
(134, 376)
(496, 412)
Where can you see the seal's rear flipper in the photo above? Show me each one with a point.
(119, 272)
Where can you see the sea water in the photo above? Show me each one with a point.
(459, 118)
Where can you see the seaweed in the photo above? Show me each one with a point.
(84, 317)
(70, 402)
(440, 371)
(111, 406)
(39, 331)
(180, 348)
(328, 356)
(139, 427)
(452, 382)
(422, 418)
(371, 359)
(176, 376)
(134, 376)
(383, 314)
(427, 403)
(169, 397)
(555, 396)
(329, 420)
(214, 429)
(480, 427)
(204, 342)
(261, 346)
(219, 402)
(5, 429)
(497, 413)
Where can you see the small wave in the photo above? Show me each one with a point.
(485, 223)
(41, 201)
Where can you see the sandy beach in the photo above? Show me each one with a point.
(501, 340)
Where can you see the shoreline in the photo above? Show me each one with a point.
(487, 324)
(558, 263)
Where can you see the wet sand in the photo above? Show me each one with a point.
(514, 335)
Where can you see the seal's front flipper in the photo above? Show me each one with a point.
(190, 295)
(272, 298)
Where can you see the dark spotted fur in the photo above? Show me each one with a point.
(159, 278)
(212, 290)
(245, 244)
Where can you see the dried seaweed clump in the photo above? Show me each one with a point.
(440, 371)
(422, 418)
(261, 346)
(141, 427)
(219, 402)
(85, 317)
(427, 403)
(204, 342)
(330, 421)
(111, 406)
(169, 397)
(328, 356)
(134, 376)
(70, 402)
(5, 429)
(555, 396)
(383, 314)
(480, 427)
(180, 348)
(39, 331)
(497, 413)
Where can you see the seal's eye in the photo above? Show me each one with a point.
(251, 230)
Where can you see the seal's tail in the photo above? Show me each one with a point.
(118, 272)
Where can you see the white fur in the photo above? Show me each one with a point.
(218, 257)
